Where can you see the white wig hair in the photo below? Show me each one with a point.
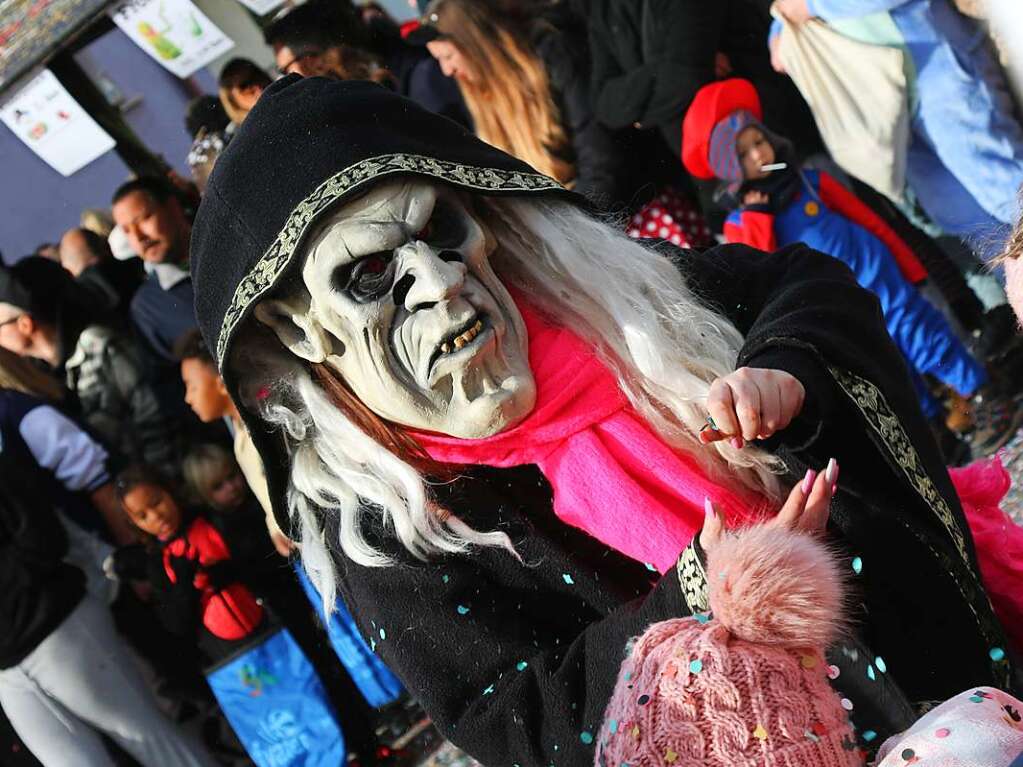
(664, 346)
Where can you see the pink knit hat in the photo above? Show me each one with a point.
(748, 686)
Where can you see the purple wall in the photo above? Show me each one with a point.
(37, 204)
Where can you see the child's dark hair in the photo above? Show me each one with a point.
(140, 474)
(191, 346)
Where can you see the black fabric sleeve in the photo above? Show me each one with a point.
(482, 642)
(802, 311)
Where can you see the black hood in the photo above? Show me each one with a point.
(309, 145)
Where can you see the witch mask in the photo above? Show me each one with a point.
(398, 295)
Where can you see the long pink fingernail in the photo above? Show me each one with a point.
(811, 475)
(831, 473)
(708, 506)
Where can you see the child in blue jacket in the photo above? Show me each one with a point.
(776, 202)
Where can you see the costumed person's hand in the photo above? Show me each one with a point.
(796, 11)
(805, 511)
(282, 543)
(755, 197)
(751, 403)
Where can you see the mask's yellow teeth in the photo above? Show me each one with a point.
(461, 340)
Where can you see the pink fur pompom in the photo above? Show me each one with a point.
(776, 587)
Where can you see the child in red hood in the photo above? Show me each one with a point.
(203, 596)
(777, 202)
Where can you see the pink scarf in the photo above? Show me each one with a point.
(612, 475)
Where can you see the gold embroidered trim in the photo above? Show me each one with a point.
(878, 413)
(262, 277)
(881, 417)
(693, 580)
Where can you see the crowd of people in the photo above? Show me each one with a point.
(462, 352)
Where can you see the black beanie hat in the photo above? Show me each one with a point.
(309, 145)
(39, 286)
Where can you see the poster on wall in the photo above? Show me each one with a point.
(174, 32)
(261, 7)
(54, 126)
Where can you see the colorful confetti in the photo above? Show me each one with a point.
(944, 732)
(760, 733)
(879, 662)
(847, 704)
(702, 617)
(586, 737)
(489, 689)
(870, 673)
(695, 666)
(670, 756)
(869, 735)
(857, 565)
(612, 726)
(383, 634)
(807, 661)
(568, 579)
(810, 736)
(462, 610)
(635, 731)
(650, 567)
(834, 672)
(445, 578)
(521, 665)
(643, 700)
(997, 654)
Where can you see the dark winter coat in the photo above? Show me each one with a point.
(37, 589)
(106, 372)
(650, 57)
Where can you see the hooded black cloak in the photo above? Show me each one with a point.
(516, 662)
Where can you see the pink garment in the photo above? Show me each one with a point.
(612, 475)
(998, 540)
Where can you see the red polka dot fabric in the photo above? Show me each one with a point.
(672, 217)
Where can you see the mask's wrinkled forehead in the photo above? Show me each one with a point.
(382, 219)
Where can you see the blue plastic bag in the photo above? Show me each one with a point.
(377, 683)
(277, 706)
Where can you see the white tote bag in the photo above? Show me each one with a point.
(858, 95)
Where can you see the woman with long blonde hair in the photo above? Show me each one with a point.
(525, 79)
(524, 72)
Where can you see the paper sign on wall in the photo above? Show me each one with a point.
(174, 32)
(54, 126)
(261, 7)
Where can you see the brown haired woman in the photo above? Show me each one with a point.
(523, 69)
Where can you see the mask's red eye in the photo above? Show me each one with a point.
(426, 232)
(374, 265)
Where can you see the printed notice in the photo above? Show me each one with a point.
(54, 126)
(174, 32)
